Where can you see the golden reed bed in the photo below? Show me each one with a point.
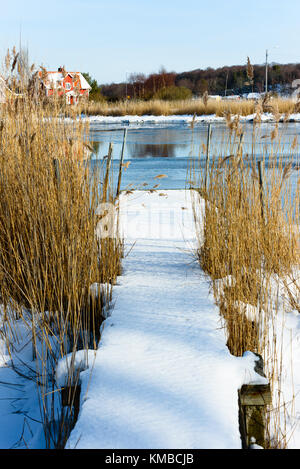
(191, 107)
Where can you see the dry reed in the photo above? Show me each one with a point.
(250, 235)
(197, 107)
(50, 255)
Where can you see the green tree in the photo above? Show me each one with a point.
(201, 86)
(173, 93)
(95, 92)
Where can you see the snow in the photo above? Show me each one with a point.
(181, 119)
(254, 445)
(285, 329)
(77, 362)
(163, 376)
(281, 354)
(149, 119)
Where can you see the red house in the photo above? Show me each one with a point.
(71, 84)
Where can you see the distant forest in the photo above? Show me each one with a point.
(229, 80)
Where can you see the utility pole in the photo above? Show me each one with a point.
(126, 82)
(267, 65)
(126, 79)
(267, 55)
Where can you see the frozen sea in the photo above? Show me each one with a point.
(173, 148)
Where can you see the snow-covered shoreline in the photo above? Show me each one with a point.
(181, 119)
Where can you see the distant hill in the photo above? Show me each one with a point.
(280, 78)
(216, 81)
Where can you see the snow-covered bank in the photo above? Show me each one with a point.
(282, 353)
(284, 345)
(180, 119)
(163, 376)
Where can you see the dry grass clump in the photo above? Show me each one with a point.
(248, 236)
(49, 254)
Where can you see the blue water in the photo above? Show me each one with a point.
(170, 149)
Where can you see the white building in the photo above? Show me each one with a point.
(214, 97)
(254, 96)
(234, 97)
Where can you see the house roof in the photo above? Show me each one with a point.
(54, 79)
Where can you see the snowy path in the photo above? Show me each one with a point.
(162, 376)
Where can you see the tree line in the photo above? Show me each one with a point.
(227, 80)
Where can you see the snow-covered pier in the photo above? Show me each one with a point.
(162, 376)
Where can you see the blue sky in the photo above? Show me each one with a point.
(112, 38)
